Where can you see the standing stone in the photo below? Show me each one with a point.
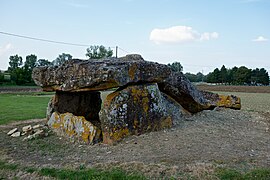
(136, 110)
(74, 127)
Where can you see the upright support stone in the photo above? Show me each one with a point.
(136, 110)
(74, 128)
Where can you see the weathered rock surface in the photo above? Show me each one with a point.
(94, 75)
(12, 131)
(217, 100)
(16, 134)
(85, 104)
(27, 128)
(74, 127)
(149, 97)
(135, 110)
(36, 131)
(184, 92)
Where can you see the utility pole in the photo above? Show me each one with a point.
(116, 51)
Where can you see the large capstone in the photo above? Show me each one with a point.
(135, 110)
(93, 75)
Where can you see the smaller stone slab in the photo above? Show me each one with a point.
(216, 100)
(184, 92)
(12, 131)
(74, 127)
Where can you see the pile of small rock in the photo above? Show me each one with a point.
(30, 132)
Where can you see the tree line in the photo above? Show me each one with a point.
(234, 76)
(239, 76)
(20, 72)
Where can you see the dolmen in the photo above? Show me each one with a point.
(106, 100)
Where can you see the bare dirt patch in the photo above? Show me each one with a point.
(21, 89)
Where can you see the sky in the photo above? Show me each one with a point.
(200, 34)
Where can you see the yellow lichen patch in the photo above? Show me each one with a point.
(131, 71)
(116, 135)
(138, 94)
(166, 123)
(119, 134)
(73, 126)
(145, 104)
(135, 123)
(229, 102)
(57, 121)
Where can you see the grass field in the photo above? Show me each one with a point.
(23, 106)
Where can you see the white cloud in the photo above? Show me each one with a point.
(177, 34)
(5, 48)
(208, 36)
(260, 39)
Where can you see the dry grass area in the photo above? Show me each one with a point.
(247, 89)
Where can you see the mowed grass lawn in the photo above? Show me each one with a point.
(23, 106)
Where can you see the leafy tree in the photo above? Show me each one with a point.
(14, 68)
(232, 75)
(1, 77)
(98, 52)
(43, 62)
(264, 77)
(176, 67)
(217, 75)
(14, 62)
(223, 74)
(191, 77)
(28, 67)
(61, 59)
(210, 77)
(243, 75)
(259, 76)
(30, 62)
(199, 77)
